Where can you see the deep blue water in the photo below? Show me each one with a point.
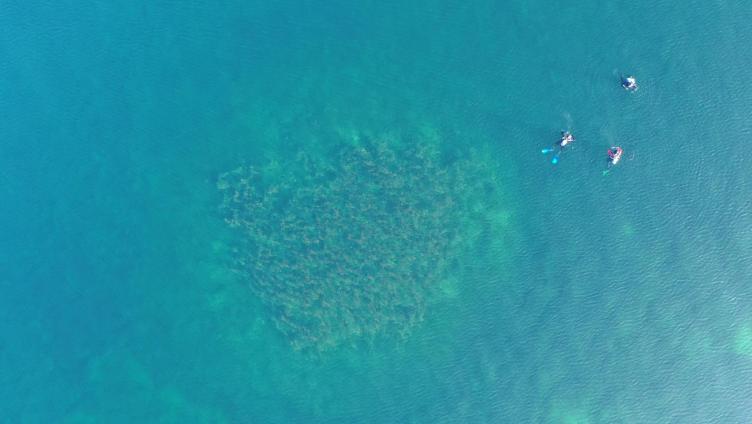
(617, 298)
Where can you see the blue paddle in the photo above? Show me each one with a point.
(549, 150)
(555, 160)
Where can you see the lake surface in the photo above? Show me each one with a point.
(583, 298)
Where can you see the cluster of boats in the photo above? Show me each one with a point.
(614, 153)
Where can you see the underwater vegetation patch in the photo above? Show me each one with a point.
(354, 243)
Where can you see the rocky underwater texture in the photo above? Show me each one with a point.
(352, 244)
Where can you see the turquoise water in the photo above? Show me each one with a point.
(585, 299)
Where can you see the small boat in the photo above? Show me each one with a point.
(614, 155)
(566, 138)
(629, 83)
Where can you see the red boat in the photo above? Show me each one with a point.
(614, 155)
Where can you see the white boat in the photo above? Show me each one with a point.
(614, 155)
(630, 83)
(566, 138)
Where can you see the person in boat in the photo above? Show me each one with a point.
(614, 155)
(629, 83)
(566, 139)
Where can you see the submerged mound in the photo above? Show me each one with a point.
(351, 245)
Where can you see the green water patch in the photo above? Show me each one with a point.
(627, 229)
(743, 341)
(121, 388)
(355, 241)
(578, 412)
